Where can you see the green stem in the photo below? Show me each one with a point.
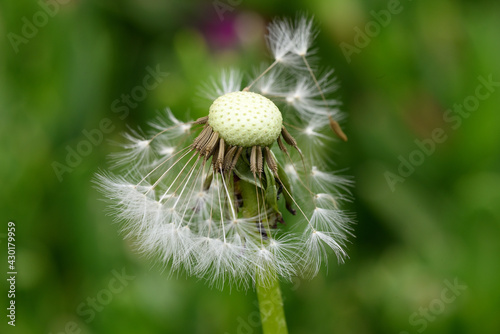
(272, 314)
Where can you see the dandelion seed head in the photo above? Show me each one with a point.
(207, 196)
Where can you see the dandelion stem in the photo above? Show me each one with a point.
(272, 314)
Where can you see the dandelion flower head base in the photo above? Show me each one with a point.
(208, 196)
(245, 119)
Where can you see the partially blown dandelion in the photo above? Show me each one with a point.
(207, 196)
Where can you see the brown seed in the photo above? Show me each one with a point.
(202, 138)
(288, 137)
(291, 141)
(220, 155)
(235, 159)
(260, 161)
(201, 120)
(271, 162)
(337, 129)
(209, 148)
(253, 160)
(228, 159)
(282, 146)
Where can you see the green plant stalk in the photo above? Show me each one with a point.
(272, 314)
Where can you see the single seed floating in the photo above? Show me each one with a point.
(245, 119)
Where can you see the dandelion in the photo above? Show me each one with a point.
(209, 196)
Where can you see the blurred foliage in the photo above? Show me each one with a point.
(441, 223)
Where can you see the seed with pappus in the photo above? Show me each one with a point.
(244, 193)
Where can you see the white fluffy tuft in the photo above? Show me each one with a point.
(228, 81)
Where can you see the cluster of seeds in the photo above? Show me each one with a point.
(207, 196)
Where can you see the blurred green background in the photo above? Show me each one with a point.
(59, 80)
